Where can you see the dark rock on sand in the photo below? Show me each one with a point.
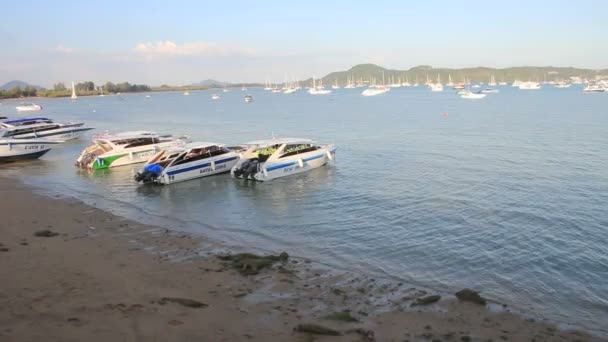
(366, 335)
(251, 264)
(470, 296)
(426, 300)
(183, 301)
(316, 329)
(45, 233)
(4, 249)
(343, 316)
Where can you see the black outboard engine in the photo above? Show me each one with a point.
(149, 174)
(248, 169)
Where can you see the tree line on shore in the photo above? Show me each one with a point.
(84, 89)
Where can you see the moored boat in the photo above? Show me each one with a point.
(33, 128)
(469, 95)
(20, 149)
(29, 107)
(193, 160)
(265, 160)
(125, 148)
(248, 98)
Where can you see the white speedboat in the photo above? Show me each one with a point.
(125, 148)
(194, 160)
(33, 128)
(19, 149)
(594, 88)
(469, 95)
(375, 91)
(215, 97)
(529, 86)
(436, 87)
(289, 90)
(248, 98)
(186, 93)
(562, 85)
(29, 107)
(265, 160)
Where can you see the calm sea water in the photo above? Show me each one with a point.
(508, 195)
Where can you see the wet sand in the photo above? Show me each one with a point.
(106, 278)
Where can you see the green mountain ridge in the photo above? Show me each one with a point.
(369, 72)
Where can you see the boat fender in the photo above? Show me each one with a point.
(329, 156)
(301, 162)
(212, 165)
(265, 172)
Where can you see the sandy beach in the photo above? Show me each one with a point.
(71, 272)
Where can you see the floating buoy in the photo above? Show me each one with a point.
(445, 114)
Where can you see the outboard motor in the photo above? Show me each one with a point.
(149, 174)
(248, 169)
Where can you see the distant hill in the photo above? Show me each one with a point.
(211, 83)
(368, 72)
(12, 84)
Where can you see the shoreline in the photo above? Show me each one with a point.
(105, 277)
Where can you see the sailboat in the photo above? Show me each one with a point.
(101, 88)
(492, 82)
(436, 86)
(450, 83)
(318, 90)
(73, 97)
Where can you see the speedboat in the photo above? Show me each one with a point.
(125, 148)
(529, 86)
(215, 97)
(194, 160)
(29, 107)
(289, 90)
(436, 87)
(186, 93)
(19, 149)
(265, 160)
(469, 95)
(594, 88)
(375, 91)
(248, 98)
(32, 128)
(489, 91)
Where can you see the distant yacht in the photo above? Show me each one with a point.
(492, 82)
(215, 97)
(529, 85)
(594, 88)
(469, 95)
(29, 107)
(335, 85)
(436, 87)
(450, 83)
(318, 90)
(73, 97)
(562, 85)
(186, 93)
(248, 98)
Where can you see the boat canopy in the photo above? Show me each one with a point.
(281, 141)
(18, 121)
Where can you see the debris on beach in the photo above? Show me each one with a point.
(316, 329)
(183, 301)
(343, 316)
(469, 295)
(45, 233)
(252, 264)
(426, 300)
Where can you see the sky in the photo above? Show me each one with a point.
(182, 42)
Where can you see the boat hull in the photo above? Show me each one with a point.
(198, 169)
(293, 165)
(17, 150)
(60, 134)
(122, 158)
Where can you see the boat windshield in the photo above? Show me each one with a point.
(137, 142)
(292, 150)
(200, 153)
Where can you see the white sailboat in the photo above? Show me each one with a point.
(73, 97)
(450, 83)
(492, 82)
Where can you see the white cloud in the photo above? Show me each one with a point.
(62, 49)
(207, 49)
